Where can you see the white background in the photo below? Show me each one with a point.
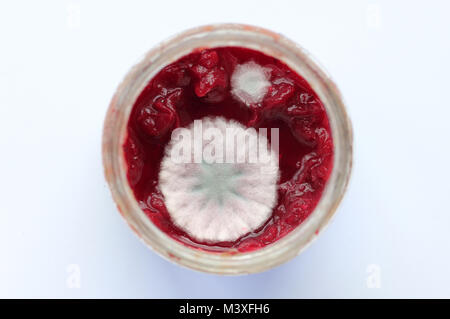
(60, 63)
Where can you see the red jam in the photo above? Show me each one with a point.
(198, 85)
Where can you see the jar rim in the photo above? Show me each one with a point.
(217, 35)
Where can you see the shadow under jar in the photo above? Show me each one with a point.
(212, 58)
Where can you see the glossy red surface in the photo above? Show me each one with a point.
(198, 85)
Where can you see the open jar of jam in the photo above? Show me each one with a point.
(227, 149)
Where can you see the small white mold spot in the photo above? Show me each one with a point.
(222, 200)
(250, 82)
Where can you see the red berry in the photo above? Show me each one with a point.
(216, 78)
(158, 118)
(278, 94)
(199, 70)
(208, 59)
(305, 105)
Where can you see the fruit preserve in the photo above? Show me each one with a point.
(228, 206)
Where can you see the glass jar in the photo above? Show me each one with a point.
(114, 135)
